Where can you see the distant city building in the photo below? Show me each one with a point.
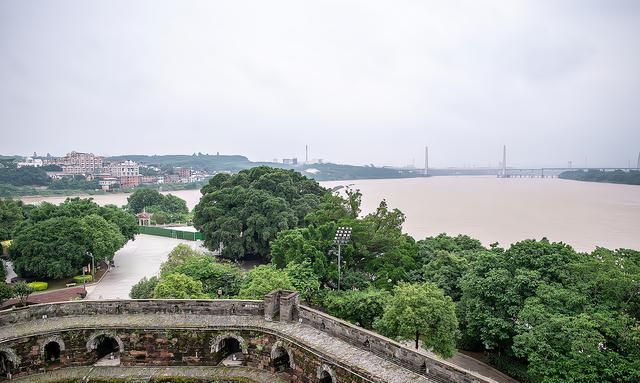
(290, 161)
(29, 161)
(149, 180)
(107, 182)
(183, 172)
(171, 178)
(128, 182)
(124, 169)
(79, 163)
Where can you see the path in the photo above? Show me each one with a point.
(137, 259)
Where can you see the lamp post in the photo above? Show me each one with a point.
(343, 234)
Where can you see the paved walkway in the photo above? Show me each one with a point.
(209, 373)
(136, 260)
(350, 357)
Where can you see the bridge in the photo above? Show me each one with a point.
(272, 340)
(532, 172)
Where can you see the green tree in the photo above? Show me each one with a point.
(262, 280)
(361, 308)
(144, 288)
(11, 216)
(498, 283)
(22, 291)
(54, 248)
(446, 270)
(212, 274)
(421, 311)
(244, 212)
(103, 238)
(6, 292)
(178, 286)
(304, 280)
(125, 221)
(143, 198)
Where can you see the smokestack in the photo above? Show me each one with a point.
(426, 160)
(306, 154)
(504, 161)
(638, 165)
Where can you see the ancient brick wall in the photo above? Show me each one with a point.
(173, 348)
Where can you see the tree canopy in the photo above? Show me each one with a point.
(54, 240)
(421, 312)
(240, 214)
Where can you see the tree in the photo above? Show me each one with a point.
(103, 238)
(57, 247)
(142, 198)
(498, 283)
(54, 248)
(212, 274)
(421, 311)
(244, 212)
(446, 270)
(144, 288)
(125, 221)
(304, 280)
(178, 286)
(6, 292)
(11, 215)
(22, 291)
(361, 308)
(262, 280)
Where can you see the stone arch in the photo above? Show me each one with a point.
(54, 338)
(11, 355)
(217, 341)
(275, 353)
(325, 374)
(92, 343)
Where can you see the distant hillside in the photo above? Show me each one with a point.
(235, 163)
(197, 162)
(631, 177)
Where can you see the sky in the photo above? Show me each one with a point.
(358, 81)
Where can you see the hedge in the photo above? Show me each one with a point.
(79, 278)
(38, 286)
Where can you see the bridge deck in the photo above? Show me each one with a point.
(304, 335)
(92, 373)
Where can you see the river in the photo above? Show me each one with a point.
(582, 214)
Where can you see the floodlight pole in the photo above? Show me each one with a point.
(339, 262)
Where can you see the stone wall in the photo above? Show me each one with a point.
(142, 306)
(191, 347)
(386, 348)
(174, 348)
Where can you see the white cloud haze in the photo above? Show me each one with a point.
(359, 81)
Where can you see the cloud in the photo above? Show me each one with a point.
(360, 81)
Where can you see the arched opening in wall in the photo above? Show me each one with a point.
(230, 352)
(52, 352)
(107, 346)
(280, 359)
(6, 365)
(325, 377)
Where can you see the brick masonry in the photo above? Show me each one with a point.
(188, 332)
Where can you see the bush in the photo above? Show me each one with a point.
(38, 286)
(80, 278)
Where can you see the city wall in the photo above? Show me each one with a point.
(178, 346)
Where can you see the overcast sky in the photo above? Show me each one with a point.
(359, 81)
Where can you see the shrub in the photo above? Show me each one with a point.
(80, 278)
(38, 286)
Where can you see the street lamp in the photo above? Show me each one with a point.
(343, 234)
